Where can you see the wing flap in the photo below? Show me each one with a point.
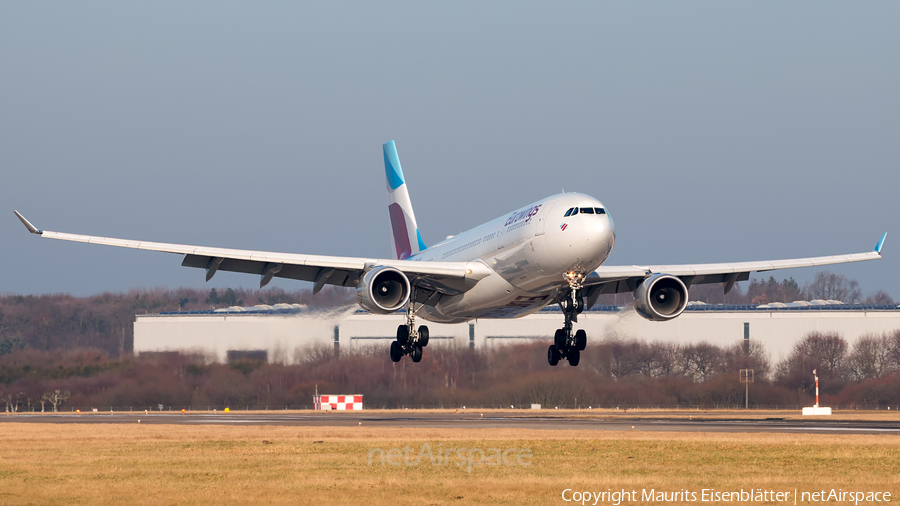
(340, 277)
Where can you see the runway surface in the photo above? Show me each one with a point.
(470, 420)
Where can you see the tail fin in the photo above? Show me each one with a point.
(404, 231)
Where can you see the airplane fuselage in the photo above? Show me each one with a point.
(528, 251)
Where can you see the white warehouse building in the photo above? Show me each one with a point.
(285, 333)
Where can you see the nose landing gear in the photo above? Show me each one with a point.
(410, 340)
(566, 344)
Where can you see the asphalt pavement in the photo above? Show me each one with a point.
(483, 420)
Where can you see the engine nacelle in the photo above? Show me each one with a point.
(382, 290)
(660, 297)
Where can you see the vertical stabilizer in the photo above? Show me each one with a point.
(404, 232)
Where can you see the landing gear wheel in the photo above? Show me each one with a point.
(553, 355)
(396, 351)
(576, 306)
(574, 357)
(416, 353)
(423, 336)
(403, 335)
(580, 340)
(559, 339)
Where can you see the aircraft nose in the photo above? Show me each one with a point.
(603, 230)
(597, 239)
(605, 238)
(611, 231)
(583, 241)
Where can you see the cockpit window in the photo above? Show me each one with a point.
(585, 210)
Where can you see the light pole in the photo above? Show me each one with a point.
(746, 379)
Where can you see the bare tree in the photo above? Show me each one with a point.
(55, 398)
(653, 360)
(893, 343)
(11, 397)
(880, 298)
(736, 358)
(830, 286)
(624, 358)
(870, 358)
(828, 350)
(817, 351)
(643, 360)
(666, 358)
(701, 361)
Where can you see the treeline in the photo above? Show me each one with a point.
(611, 374)
(106, 322)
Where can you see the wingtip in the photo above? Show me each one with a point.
(880, 243)
(31, 228)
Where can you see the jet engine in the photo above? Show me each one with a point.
(382, 290)
(660, 297)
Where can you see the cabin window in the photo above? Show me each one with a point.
(587, 210)
(569, 212)
(599, 210)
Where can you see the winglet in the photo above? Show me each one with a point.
(34, 230)
(880, 244)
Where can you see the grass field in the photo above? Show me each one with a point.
(224, 465)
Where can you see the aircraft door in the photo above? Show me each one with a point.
(542, 218)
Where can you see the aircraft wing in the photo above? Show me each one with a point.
(619, 279)
(441, 277)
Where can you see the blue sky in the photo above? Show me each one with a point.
(712, 131)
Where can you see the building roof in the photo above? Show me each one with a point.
(259, 309)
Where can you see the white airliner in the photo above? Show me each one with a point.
(548, 252)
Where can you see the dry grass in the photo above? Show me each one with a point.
(166, 464)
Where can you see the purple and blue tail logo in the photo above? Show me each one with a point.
(400, 230)
(563, 226)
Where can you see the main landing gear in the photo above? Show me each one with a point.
(410, 340)
(566, 344)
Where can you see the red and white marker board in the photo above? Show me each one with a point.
(338, 402)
